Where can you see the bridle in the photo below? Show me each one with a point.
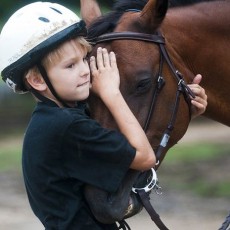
(182, 88)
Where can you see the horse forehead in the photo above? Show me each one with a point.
(127, 22)
(136, 54)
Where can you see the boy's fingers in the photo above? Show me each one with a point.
(113, 61)
(197, 79)
(100, 63)
(105, 57)
(199, 106)
(92, 63)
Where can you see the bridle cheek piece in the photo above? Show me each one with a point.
(181, 85)
(182, 88)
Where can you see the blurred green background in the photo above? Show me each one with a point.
(15, 110)
(184, 161)
(7, 7)
(198, 167)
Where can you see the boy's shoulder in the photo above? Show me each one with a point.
(62, 116)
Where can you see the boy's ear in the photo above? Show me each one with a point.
(36, 81)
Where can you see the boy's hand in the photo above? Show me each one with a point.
(199, 103)
(106, 81)
(105, 74)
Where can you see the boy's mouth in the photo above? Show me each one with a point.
(83, 84)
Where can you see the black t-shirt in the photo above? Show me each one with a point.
(64, 149)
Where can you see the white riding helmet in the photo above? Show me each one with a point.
(32, 32)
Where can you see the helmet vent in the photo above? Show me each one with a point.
(56, 10)
(44, 19)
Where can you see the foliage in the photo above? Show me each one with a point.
(7, 7)
(10, 154)
(188, 153)
(177, 171)
(15, 111)
(200, 168)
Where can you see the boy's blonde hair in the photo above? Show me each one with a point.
(54, 56)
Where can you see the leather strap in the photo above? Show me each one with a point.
(130, 36)
(144, 196)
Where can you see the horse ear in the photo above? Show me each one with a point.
(153, 14)
(90, 10)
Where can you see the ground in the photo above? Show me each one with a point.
(179, 210)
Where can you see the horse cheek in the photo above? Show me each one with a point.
(182, 122)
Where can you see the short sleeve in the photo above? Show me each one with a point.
(96, 155)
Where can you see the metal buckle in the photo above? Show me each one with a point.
(153, 184)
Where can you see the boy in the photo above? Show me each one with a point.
(63, 148)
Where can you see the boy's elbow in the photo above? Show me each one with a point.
(150, 161)
(143, 162)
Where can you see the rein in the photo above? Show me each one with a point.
(182, 88)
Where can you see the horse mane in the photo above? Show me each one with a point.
(108, 22)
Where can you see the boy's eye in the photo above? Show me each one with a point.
(70, 66)
(86, 58)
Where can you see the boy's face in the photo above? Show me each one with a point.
(69, 73)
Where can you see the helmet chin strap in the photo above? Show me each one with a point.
(50, 86)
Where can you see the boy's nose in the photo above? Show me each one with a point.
(85, 70)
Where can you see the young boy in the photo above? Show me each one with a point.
(43, 51)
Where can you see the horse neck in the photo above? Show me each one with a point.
(197, 38)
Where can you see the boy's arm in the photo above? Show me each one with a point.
(106, 81)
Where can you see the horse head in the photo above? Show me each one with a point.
(148, 83)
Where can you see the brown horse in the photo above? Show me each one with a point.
(197, 41)
(153, 45)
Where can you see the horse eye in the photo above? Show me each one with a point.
(143, 86)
